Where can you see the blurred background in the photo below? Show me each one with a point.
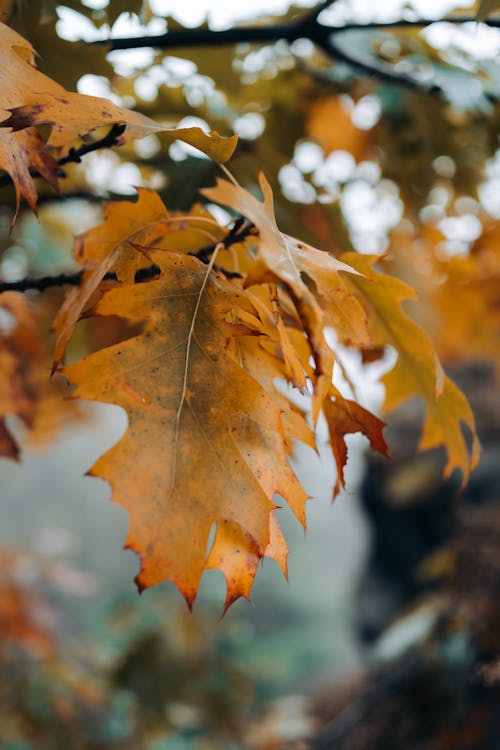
(387, 635)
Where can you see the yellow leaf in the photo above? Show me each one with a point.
(108, 246)
(33, 99)
(417, 371)
(284, 259)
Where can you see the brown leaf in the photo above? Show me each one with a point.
(344, 418)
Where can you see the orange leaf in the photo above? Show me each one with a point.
(330, 124)
(284, 259)
(204, 443)
(26, 390)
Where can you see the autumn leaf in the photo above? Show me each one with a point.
(236, 554)
(461, 296)
(204, 443)
(104, 247)
(417, 371)
(5, 9)
(281, 258)
(346, 417)
(33, 99)
(120, 243)
(26, 615)
(26, 390)
(329, 123)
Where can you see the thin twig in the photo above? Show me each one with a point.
(416, 23)
(379, 69)
(107, 141)
(75, 154)
(239, 232)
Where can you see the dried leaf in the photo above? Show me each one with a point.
(343, 418)
(108, 246)
(281, 258)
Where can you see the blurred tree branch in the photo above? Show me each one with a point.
(307, 27)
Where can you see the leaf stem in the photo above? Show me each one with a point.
(210, 267)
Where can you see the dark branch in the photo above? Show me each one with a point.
(307, 27)
(379, 69)
(75, 154)
(205, 37)
(240, 231)
(107, 141)
(46, 282)
(417, 23)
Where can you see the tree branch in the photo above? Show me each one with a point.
(306, 28)
(417, 23)
(379, 70)
(75, 154)
(239, 232)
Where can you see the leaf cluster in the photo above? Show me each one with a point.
(227, 319)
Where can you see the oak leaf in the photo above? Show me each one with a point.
(204, 443)
(346, 417)
(417, 371)
(33, 99)
(104, 247)
(286, 260)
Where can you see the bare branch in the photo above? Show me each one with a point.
(307, 27)
(417, 23)
(239, 232)
(378, 69)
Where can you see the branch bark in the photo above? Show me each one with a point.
(239, 232)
